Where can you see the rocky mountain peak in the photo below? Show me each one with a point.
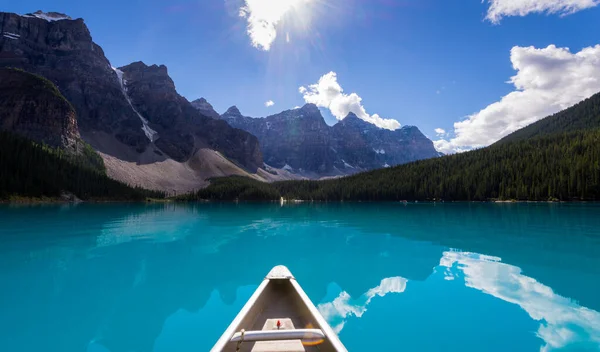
(62, 50)
(49, 16)
(309, 113)
(155, 77)
(205, 108)
(354, 122)
(310, 108)
(233, 112)
(351, 118)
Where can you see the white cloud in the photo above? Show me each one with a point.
(269, 103)
(329, 94)
(563, 323)
(504, 8)
(440, 132)
(263, 17)
(548, 80)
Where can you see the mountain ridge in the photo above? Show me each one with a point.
(554, 164)
(115, 112)
(300, 139)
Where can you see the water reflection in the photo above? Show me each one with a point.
(171, 277)
(563, 323)
(342, 307)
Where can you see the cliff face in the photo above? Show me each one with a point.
(32, 107)
(180, 127)
(299, 140)
(137, 106)
(295, 139)
(365, 146)
(205, 108)
(62, 50)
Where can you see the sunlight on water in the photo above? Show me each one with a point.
(453, 277)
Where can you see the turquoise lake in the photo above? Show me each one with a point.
(418, 277)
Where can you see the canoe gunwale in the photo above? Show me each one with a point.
(279, 273)
(231, 330)
(332, 337)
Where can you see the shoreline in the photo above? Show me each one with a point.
(17, 200)
(59, 200)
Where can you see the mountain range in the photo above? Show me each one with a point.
(149, 135)
(554, 159)
(300, 141)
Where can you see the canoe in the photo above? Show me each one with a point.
(279, 317)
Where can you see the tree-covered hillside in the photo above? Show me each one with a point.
(584, 115)
(30, 169)
(557, 158)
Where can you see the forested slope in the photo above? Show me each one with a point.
(584, 115)
(30, 169)
(557, 158)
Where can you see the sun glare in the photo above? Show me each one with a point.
(263, 17)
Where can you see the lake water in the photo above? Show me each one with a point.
(418, 277)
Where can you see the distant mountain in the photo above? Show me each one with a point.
(181, 128)
(554, 159)
(299, 140)
(205, 108)
(364, 145)
(146, 132)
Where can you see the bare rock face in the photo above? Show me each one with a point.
(61, 49)
(364, 146)
(32, 107)
(296, 139)
(137, 106)
(301, 141)
(181, 127)
(205, 108)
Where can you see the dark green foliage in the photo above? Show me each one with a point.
(90, 158)
(563, 167)
(30, 169)
(40, 83)
(557, 158)
(584, 115)
(236, 188)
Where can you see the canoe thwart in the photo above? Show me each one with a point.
(275, 335)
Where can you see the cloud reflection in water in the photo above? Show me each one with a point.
(342, 307)
(563, 323)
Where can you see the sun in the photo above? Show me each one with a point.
(263, 17)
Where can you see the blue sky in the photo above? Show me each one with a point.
(429, 63)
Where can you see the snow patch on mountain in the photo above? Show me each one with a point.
(49, 16)
(150, 133)
(10, 35)
(348, 166)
